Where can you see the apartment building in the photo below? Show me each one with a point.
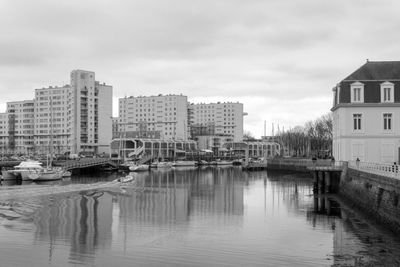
(17, 127)
(72, 118)
(51, 119)
(217, 119)
(156, 117)
(89, 113)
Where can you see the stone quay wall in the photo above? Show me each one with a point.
(374, 194)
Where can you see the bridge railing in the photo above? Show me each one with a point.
(384, 169)
(309, 163)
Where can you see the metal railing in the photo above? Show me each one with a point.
(308, 163)
(384, 169)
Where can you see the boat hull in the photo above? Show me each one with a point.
(184, 164)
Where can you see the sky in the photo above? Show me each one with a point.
(280, 58)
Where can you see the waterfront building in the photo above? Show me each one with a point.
(157, 117)
(52, 119)
(75, 117)
(123, 148)
(90, 113)
(226, 146)
(225, 119)
(366, 112)
(17, 128)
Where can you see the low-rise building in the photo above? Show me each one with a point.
(366, 112)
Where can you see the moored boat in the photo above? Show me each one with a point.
(184, 163)
(140, 167)
(45, 175)
(23, 169)
(164, 164)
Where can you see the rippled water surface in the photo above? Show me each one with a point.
(190, 217)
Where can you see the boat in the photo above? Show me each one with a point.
(22, 170)
(49, 173)
(203, 163)
(66, 174)
(164, 164)
(184, 163)
(45, 175)
(140, 167)
(223, 162)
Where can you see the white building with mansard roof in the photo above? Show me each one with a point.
(366, 114)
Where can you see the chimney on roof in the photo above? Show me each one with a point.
(367, 60)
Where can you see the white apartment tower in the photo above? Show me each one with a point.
(51, 120)
(89, 113)
(158, 117)
(225, 118)
(17, 128)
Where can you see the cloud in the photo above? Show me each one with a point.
(280, 58)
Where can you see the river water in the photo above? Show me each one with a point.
(192, 217)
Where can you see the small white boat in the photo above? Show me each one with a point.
(23, 169)
(223, 162)
(184, 163)
(66, 174)
(45, 175)
(138, 168)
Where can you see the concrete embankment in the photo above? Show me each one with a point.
(293, 164)
(374, 194)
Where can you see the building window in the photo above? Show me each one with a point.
(387, 92)
(357, 92)
(387, 121)
(357, 122)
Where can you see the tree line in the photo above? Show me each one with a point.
(314, 139)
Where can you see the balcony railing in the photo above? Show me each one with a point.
(384, 169)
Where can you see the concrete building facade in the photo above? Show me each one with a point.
(158, 117)
(90, 113)
(224, 119)
(366, 112)
(76, 118)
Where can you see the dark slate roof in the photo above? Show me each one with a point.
(376, 70)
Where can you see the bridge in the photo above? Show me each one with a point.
(86, 163)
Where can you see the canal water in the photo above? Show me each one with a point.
(192, 217)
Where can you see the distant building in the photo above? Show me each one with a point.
(52, 119)
(17, 128)
(75, 118)
(366, 112)
(156, 117)
(225, 119)
(90, 117)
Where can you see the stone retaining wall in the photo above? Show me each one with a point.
(374, 194)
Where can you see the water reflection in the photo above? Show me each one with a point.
(194, 217)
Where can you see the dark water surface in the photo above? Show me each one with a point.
(190, 217)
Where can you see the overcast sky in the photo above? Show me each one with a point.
(279, 58)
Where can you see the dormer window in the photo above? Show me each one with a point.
(357, 92)
(387, 92)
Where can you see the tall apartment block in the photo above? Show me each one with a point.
(51, 119)
(157, 117)
(75, 118)
(224, 119)
(17, 127)
(90, 113)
